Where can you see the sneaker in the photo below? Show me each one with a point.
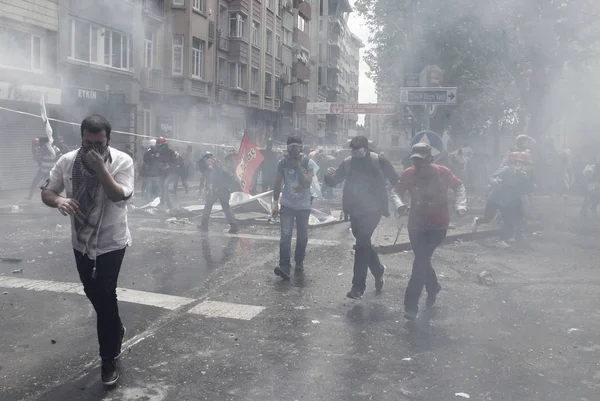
(431, 298)
(410, 314)
(123, 332)
(234, 230)
(355, 293)
(300, 267)
(380, 281)
(283, 272)
(110, 374)
(474, 225)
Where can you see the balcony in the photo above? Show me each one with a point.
(334, 54)
(151, 80)
(301, 38)
(223, 41)
(301, 71)
(303, 8)
(154, 10)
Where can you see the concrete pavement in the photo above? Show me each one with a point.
(246, 335)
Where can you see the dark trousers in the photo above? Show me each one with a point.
(37, 181)
(223, 197)
(590, 204)
(512, 216)
(365, 256)
(287, 217)
(165, 183)
(100, 288)
(423, 245)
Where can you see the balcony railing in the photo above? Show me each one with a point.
(155, 8)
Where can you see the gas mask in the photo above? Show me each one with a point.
(294, 150)
(359, 153)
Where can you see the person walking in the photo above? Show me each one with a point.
(45, 155)
(428, 220)
(219, 181)
(295, 172)
(366, 199)
(97, 180)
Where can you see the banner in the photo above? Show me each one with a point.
(45, 120)
(248, 159)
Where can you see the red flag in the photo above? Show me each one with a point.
(248, 159)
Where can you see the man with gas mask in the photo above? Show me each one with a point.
(295, 172)
(365, 199)
(428, 220)
(97, 180)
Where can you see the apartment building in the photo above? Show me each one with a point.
(338, 69)
(28, 71)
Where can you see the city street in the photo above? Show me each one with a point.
(208, 320)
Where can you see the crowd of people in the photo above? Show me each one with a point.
(93, 183)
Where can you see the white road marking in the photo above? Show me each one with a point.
(163, 301)
(170, 302)
(311, 241)
(227, 310)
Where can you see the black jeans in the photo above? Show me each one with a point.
(365, 256)
(287, 217)
(100, 289)
(423, 245)
(223, 196)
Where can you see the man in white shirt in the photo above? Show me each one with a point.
(97, 180)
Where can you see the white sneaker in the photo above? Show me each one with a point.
(474, 225)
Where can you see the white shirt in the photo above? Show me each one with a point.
(113, 233)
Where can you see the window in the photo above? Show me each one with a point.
(278, 88)
(256, 33)
(147, 122)
(223, 23)
(302, 24)
(197, 58)
(223, 81)
(149, 49)
(268, 84)
(236, 24)
(301, 89)
(254, 80)
(199, 5)
(287, 72)
(271, 4)
(300, 121)
(177, 55)
(287, 37)
(269, 41)
(179, 2)
(278, 44)
(25, 49)
(237, 75)
(99, 45)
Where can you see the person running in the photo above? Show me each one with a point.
(219, 181)
(295, 172)
(97, 180)
(509, 185)
(428, 220)
(365, 199)
(591, 199)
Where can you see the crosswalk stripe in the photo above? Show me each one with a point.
(226, 310)
(164, 301)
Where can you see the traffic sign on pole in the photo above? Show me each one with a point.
(442, 96)
(433, 140)
(350, 108)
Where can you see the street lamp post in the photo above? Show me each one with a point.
(283, 84)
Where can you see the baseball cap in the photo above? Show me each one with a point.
(421, 151)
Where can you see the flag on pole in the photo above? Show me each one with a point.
(44, 116)
(248, 159)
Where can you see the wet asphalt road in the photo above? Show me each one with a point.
(532, 336)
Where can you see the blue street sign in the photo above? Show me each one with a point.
(433, 139)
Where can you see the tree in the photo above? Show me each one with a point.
(507, 57)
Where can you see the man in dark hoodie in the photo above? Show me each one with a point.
(365, 199)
